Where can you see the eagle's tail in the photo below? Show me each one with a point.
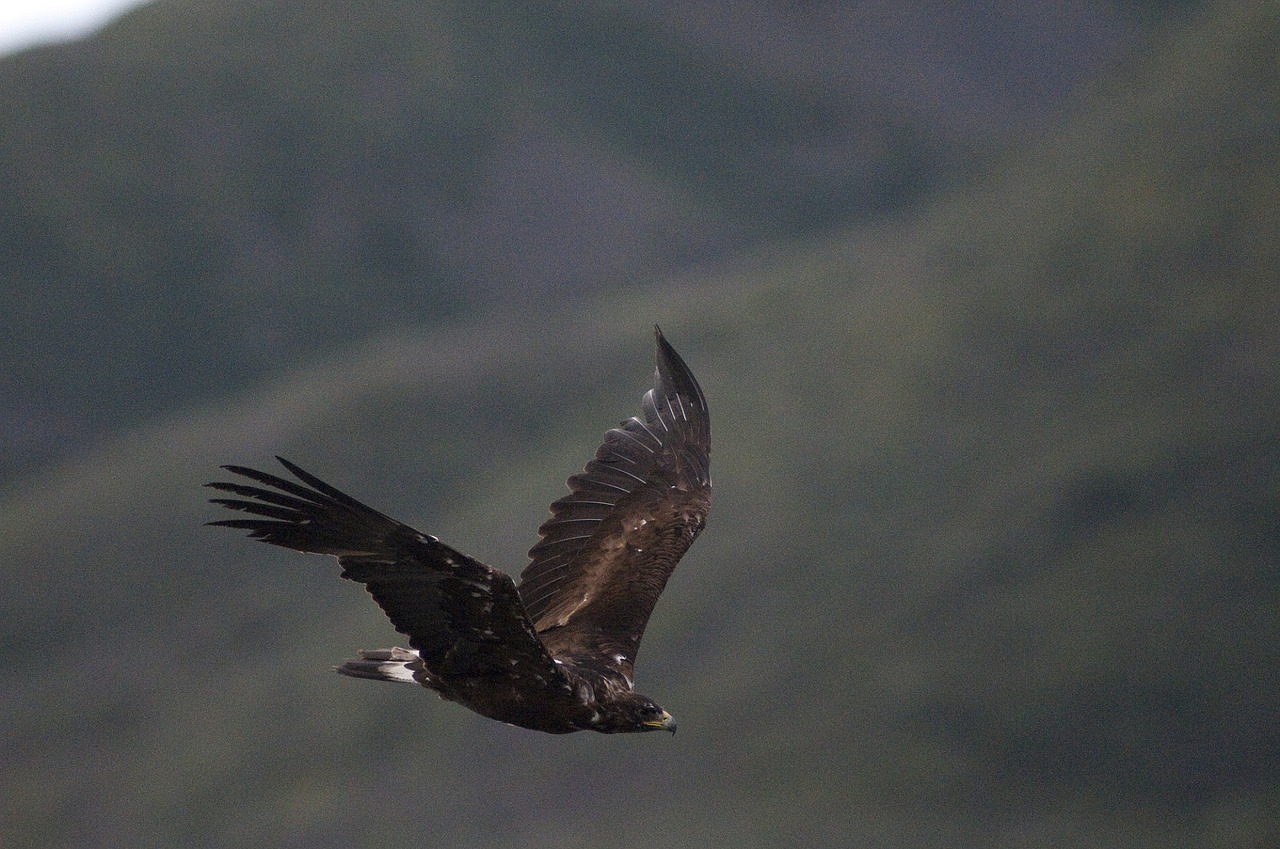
(396, 665)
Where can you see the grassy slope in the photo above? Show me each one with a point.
(992, 559)
(238, 186)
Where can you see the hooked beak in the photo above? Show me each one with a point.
(666, 723)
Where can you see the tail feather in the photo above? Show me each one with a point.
(396, 665)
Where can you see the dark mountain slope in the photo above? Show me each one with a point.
(992, 560)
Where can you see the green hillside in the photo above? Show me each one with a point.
(204, 193)
(992, 560)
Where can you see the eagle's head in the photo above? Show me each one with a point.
(630, 712)
(654, 718)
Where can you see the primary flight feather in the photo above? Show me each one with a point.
(556, 652)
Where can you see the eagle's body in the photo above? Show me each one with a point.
(555, 653)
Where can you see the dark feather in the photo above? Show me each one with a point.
(463, 617)
(611, 544)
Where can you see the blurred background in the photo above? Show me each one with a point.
(983, 298)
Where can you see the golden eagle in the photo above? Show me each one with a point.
(554, 653)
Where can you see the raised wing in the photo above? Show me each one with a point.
(611, 544)
(464, 618)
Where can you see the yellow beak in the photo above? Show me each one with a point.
(666, 723)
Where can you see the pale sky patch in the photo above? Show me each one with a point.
(26, 23)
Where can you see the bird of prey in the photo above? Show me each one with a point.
(555, 652)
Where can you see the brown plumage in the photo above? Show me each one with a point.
(555, 653)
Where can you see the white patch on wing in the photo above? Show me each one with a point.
(620, 659)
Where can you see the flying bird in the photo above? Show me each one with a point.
(555, 652)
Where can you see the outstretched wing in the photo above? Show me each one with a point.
(610, 545)
(464, 618)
